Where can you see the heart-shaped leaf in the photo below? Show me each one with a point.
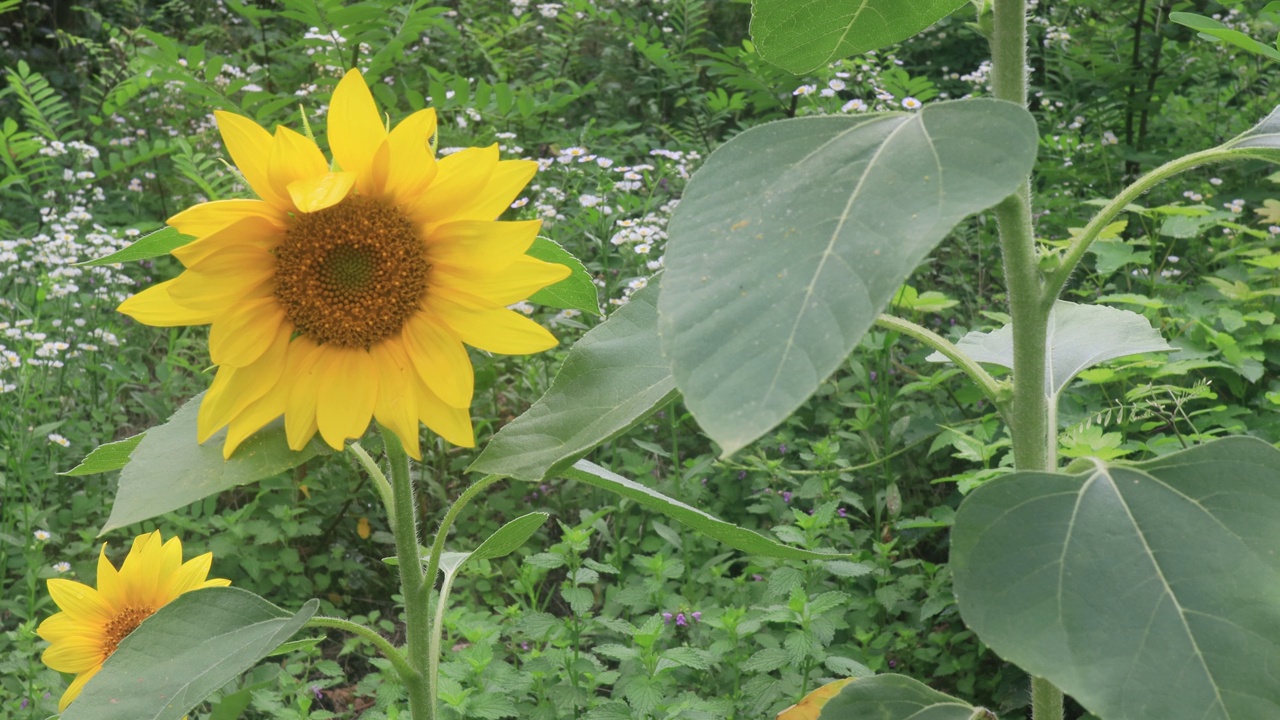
(897, 697)
(1145, 592)
(168, 469)
(804, 35)
(794, 235)
(612, 379)
(1080, 336)
(185, 651)
(738, 538)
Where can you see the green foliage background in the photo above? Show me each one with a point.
(106, 129)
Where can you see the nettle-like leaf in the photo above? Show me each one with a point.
(167, 469)
(804, 35)
(1145, 591)
(613, 378)
(185, 651)
(796, 234)
(1079, 337)
(897, 697)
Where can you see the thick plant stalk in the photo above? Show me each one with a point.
(1029, 415)
(404, 524)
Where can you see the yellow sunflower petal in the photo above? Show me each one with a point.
(250, 149)
(322, 191)
(75, 654)
(348, 393)
(452, 424)
(73, 690)
(355, 126)
(234, 389)
(208, 218)
(190, 576)
(517, 282)
(397, 408)
(241, 335)
(251, 230)
(113, 592)
(226, 277)
(440, 359)
(294, 157)
(480, 245)
(300, 409)
(411, 164)
(461, 176)
(504, 186)
(61, 625)
(499, 331)
(273, 403)
(154, 306)
(79, 600)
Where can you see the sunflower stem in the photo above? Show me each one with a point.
(404, 524)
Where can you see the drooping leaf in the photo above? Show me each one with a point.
(576, 292)
(106, 457)
(510, 537)
(168, 470)
(1080, 336)
(184, 652)
(1261, 141)
(794, 236)
(1145, 592)
(738, 538)
(1215, 30)
(804, 35)
(897, 697)
(612, 379)
(155, 244)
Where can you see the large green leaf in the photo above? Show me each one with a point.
(612, 379)
(795, 235)
(897, 697)
(1214, 30)
(738, 538)
(1146, 592)
(160, 242)
(168, 470)
(804, 35)
(187, 650)
(1080, 336)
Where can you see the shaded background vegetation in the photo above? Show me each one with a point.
(106, 129)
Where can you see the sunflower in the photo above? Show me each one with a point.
(350, 293)
(94, 621)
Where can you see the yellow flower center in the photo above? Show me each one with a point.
(124, 622)
(351, 274)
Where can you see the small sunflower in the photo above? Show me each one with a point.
(94, 621)
(349, 293)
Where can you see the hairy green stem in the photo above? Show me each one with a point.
(375, 473)
(433, 568)
(404, 524)
(1028, 304)
(1057, 280)
(987, 384)
(407, 673)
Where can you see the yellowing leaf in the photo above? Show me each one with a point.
(1270, 211)
(362, 528)
(810, 707)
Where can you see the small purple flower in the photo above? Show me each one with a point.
(680, 620)
(24, 704)
(842, 512)
(697, 616)
(315, 690)
(782, 449)
(786, 496)
(873, 376)
(742, 474)
(757, 578)
(893, 664)
(666, 618)
(810, 511)
(545, 488)
(524, 646)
